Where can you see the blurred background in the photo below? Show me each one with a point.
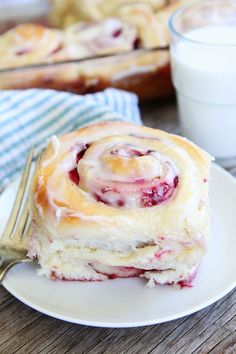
(54, 54)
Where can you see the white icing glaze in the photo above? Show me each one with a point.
(62, 212)
(119, 174)
(133, 70)
(54, 141)
(107, 36)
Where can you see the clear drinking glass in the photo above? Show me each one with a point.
(203, 61)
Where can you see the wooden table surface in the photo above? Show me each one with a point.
(24, 330)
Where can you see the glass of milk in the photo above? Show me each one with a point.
(203, 60)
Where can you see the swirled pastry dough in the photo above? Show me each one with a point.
(30, 44)
(118, 200)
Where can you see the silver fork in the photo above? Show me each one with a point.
(15, 238)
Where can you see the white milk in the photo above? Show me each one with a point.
(204, 75)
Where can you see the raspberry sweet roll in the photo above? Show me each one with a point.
(102, 37)
(118, 200)
(30, 43)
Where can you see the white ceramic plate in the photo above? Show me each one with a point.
(127, 302)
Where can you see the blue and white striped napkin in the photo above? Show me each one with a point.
(29, 117)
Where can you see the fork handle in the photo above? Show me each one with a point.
(7, 265)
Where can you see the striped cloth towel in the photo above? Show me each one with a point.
(29, 117)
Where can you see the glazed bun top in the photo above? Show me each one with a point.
(120, 171)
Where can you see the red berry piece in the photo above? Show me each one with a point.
(100, 199)
(140, 181)
(81, 153)
(133, 152)
(136, 43)
(117, 33)
(156, 195)
(22, 51)
(74, 176)
(120, 203)
(176, 181)
(57, 49)
(107, 189)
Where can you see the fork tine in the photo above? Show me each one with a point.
(26, 234)
(21, 190)
(23, 220)
(24, 226)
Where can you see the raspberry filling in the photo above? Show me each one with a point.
(119, 203)
(131, 152)
(136, 43)
(149, 197)
(125, 175)
(121, 272)
(22, 51)
(73, 174)
(57, 49)
(125, 272)
(117, 33)
(146, 191)
(100, 199)
(187, 283)
(158, 194)
(113, 272)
